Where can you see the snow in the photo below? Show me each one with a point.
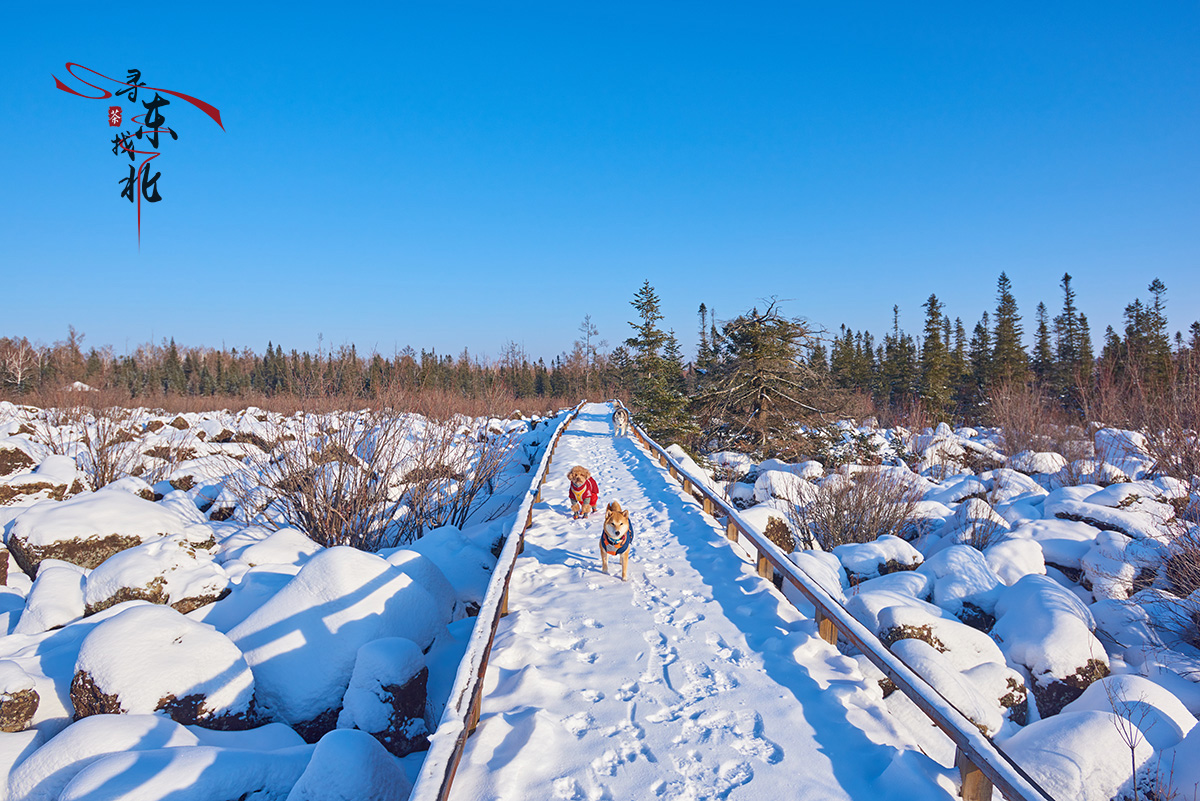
(1064, 542)
(462, 561)
(946, 678)
(174, 656)
(201, 773)
(57, 598)
(422, 570)
(1031, 462)
(1078, 756)
(1011, 559)
(287, 546)
(349, 765)
(302, 642)
(44, 774)
(1161, 716)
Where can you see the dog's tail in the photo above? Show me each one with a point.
(614, 507)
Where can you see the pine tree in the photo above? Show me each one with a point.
(1073, 368)
(660, 406)
(1043, 356)
(899, 377)
(1009, 360)
(765, 385)
(935, 362)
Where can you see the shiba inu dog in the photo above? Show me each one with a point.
(620, 422)
(616, 538)
(584, 492)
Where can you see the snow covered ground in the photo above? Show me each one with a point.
(693, 680)
(171, 638)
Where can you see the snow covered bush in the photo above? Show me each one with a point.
(856, 508)
(372, 479)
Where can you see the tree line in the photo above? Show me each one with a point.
(758, 374)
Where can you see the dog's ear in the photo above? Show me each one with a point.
(614, 507)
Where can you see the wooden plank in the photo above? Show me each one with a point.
(975, 786)
(764, 566)
(826, 628)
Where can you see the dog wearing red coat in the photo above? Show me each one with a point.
(584, 491)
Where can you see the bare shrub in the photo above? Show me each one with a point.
(1028, 419)
(857, 508)
(372, 479)
(99, 438)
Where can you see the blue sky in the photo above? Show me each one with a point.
(458, 175)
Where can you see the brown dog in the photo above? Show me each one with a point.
(616, 538)
(584, 491)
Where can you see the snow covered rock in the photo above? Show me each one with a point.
(784, 485)
(303, 641)
(44, 774)
(964, 647)
(1078, 756)
(963, 584)
(287, 546)
(1160, 715)
(177, 570)
(868, 607)
(386, 696)
(189, 671)
(956, 489)
(18, 698)
(1047, 629)
(1138, 524)
(1007, 485)
(87, 529)
(201, 773)
(1010, 559)
(932, 665)
(1128, 451)
(53, 479)
(348, 765)
(1117, 566)
(1064, 542)
(1034, 462)
(466, 565)
(426, 573)
(55, 600)
(975, 523)
(887, 554)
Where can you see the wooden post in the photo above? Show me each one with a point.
(673, 473)
(476, 708)
(708, 506)
(528, 520)
(975, 786)
(826, 628)
(764, 566)
(504, 603)
(731, 530)
(687, 486)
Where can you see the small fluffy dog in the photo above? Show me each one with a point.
(584, 491)
(620, 422)
(616, 538)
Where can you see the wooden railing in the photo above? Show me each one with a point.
(462, 711)
(980, 763)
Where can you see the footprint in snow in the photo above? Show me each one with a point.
(627, 691)
(579, 723)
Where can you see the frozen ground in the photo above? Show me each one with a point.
(693, 680)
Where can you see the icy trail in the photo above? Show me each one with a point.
(693, 680)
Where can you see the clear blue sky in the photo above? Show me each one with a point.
(455, 174)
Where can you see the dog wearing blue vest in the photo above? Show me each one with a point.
(616, 538)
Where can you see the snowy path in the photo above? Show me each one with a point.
(693, 680)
